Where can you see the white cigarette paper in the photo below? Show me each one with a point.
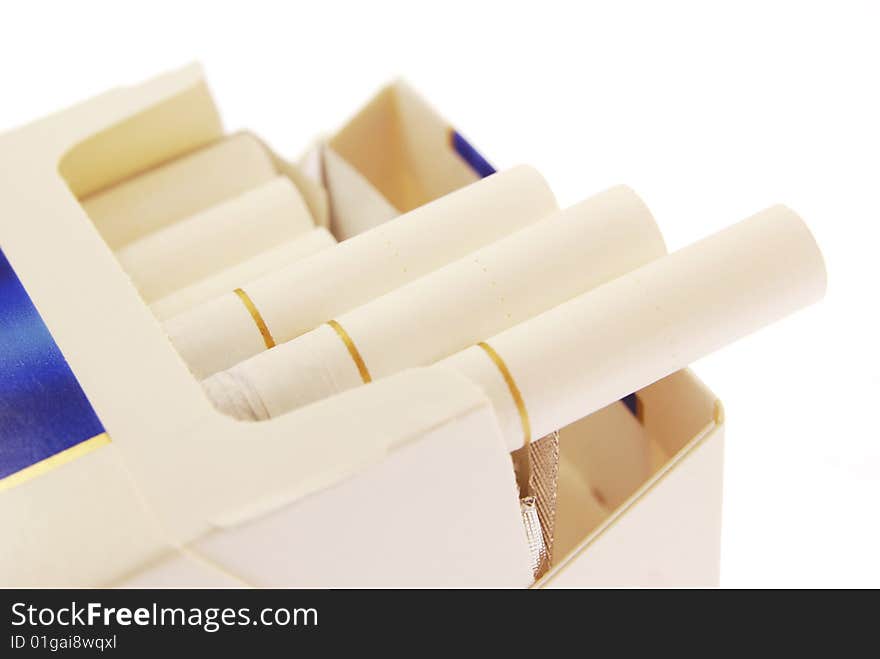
(215, 239)
(177, 189)
(569, 362)
(241, 274)
(449, 309)
(289, 302)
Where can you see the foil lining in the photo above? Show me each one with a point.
(537, 469)
(543, 477)
(540, 559)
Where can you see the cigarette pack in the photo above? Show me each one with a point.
(116, 470)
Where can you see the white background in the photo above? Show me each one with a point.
(710, 111)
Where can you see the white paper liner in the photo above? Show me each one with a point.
(356, 206)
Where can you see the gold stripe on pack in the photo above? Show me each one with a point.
(48, 464)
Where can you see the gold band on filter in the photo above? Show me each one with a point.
(352, 350)
(258, 318)
(514, 390)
